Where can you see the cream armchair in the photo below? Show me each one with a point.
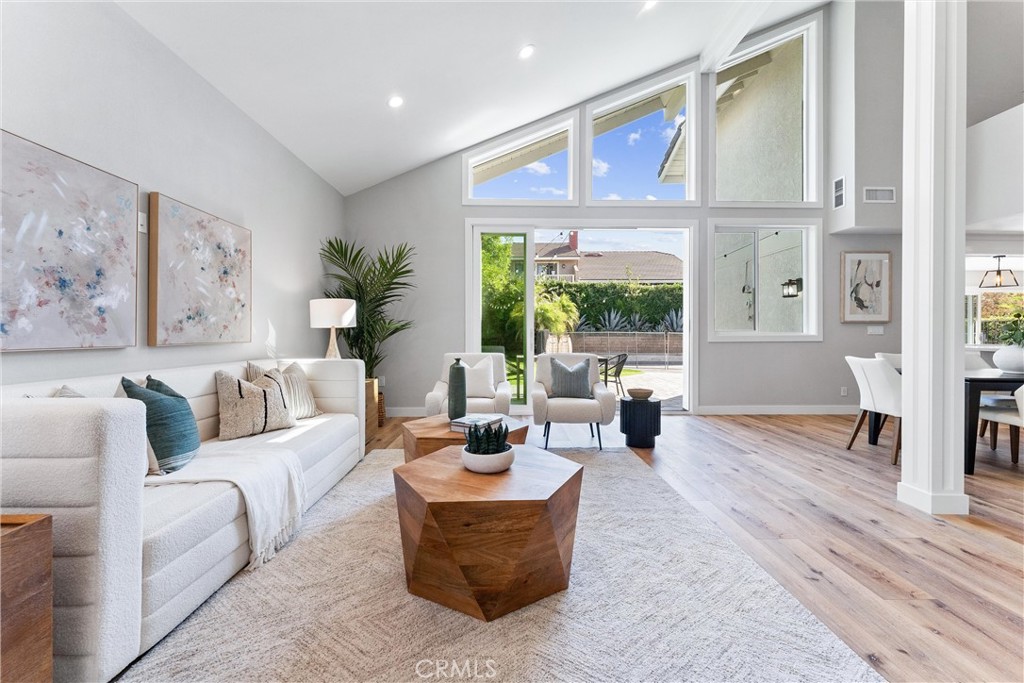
(437, 399)
(596, 411)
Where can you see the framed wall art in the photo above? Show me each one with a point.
(200, 276)
(70, 252)
(866, 278)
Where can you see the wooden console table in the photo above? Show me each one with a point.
(26, 593)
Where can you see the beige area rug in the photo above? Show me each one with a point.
(657, 593)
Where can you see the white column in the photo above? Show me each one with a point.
(934, 130)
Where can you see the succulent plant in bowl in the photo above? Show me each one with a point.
(487, 450)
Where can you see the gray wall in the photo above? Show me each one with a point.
(89, 82)
(424, 207)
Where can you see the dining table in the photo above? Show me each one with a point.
(975, 382)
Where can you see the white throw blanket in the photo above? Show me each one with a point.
(271, 483)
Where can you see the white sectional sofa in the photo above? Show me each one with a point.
(132, 561)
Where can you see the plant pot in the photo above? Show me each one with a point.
(1009, 359)
(488, 463)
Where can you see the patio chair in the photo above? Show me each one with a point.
(614, 374)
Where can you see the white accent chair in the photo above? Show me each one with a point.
(881, 391)
(437, 399)
(1013, 416)
(596, 411)
(893, 359)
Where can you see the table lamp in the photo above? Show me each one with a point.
(332, 313)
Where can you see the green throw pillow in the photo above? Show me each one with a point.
(571, 382)
(170, 425)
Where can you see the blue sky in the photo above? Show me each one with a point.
(593, 239)
(626, 162)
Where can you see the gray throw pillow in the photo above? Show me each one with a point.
(252, 407)
(571, 382)
(170, 425)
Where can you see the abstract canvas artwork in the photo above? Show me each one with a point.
(867, 286)
(200, 276)
(70, 252)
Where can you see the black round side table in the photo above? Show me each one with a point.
(640, 421)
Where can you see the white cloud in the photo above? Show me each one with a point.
(668, 133)
(601, 168)
(633, 137)
(548, 190)
(611, 196)
(650, 197)
(538, 168)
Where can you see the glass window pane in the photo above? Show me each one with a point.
(760, 126)
(539, 171)
(734, 281)
(780, 258)
(639, 149)
(503, 310)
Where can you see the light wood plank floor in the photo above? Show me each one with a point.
(921, 598)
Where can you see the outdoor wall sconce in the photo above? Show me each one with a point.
(792, 288)
(998, 279)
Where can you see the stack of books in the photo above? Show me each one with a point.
(466, 422)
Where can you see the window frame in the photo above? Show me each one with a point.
(812, 286)
(688, 73)
(811, 26)
(520, 138)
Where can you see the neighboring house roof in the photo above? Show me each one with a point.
(551, 250)
(644, 266)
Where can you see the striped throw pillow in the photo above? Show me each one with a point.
(297, 393)
(171, 428)
(252, 407)
(571, 382)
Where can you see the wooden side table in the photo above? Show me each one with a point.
(26, 594)
(428, 434)
(640, 421)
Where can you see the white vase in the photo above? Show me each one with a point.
(488, 463)
(1009, 359)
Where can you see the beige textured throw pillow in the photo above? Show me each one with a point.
(252, 407)
(297, 392)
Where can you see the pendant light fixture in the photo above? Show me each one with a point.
(999, 277)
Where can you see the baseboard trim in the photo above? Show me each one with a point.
(778, 410)
(933, 503)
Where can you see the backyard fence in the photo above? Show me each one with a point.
(643, 347)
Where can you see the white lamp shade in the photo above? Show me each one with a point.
(332, 313)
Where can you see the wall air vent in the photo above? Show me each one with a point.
(838, 193)
(879, 195)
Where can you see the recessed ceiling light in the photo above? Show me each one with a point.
(648, 5)
(526, 52)
(395, 101)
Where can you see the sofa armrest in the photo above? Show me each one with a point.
(606, 397)
(435, 398)
(539, 397)
(83, 461)
(503, 398)
(338, 386)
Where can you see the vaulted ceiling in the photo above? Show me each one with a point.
(317, 76)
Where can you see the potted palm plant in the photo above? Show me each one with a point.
(375, 283)
(1010, 358)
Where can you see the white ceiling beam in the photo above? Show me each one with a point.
(739, 23)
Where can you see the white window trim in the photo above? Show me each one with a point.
(813, 299)
(689, 74)
(811, 27)
(524, 136)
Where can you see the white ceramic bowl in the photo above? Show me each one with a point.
(488, 463)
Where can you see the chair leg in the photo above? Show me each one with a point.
(856, 428)
(981, 427)
(599, 446)
(547, 433)
(1014, 443)
(591, 430)
(882, 422)
(897, 439)
(993, 435)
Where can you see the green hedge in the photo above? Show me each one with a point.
(991, 329)
(593, 299)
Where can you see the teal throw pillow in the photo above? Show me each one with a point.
(571, 382)
(170, 425)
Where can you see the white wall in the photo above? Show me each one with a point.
(995, 172)
(86, 80)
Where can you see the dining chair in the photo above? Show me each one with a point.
(894, 359)
(615, 366)
(1012, 416)
(881, 392)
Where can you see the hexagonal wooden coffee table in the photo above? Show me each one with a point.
(487, 544)
(428, 434)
